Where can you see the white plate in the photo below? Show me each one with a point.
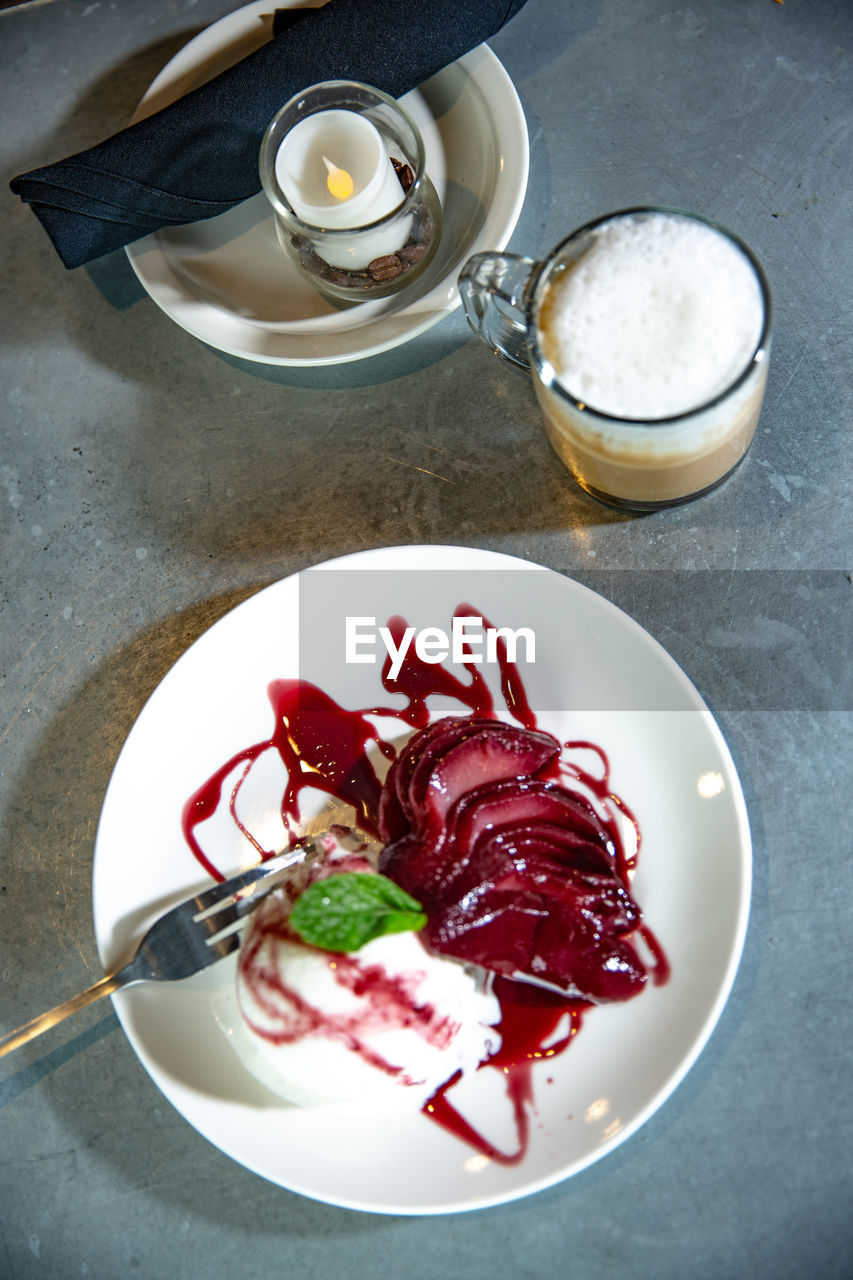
(597, 676)
(226, 280)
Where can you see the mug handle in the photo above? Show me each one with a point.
(494, 292)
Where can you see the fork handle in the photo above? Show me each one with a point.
(35, 1027)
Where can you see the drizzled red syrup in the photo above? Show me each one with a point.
(531, 1017)
(326, 747)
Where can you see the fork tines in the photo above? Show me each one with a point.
(224, 907)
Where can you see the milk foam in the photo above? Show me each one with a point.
(660, 315)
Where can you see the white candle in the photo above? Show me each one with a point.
(312, 167)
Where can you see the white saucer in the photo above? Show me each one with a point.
(226, 280)
(598, 677)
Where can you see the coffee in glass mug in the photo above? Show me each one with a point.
(647, 335)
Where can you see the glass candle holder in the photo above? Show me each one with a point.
(343, 166)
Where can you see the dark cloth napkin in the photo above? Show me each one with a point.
(199, 156)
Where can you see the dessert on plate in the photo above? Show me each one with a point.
(479, 906)
(384, 1022)
(384, 970)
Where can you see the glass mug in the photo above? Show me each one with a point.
(635, 460)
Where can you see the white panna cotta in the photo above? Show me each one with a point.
(388, 1022)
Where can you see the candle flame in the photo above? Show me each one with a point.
(338, 181)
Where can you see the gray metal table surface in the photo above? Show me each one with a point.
(150, 484)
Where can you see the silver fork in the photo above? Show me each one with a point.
(182, 942)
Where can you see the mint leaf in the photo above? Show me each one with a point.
(351, 908)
